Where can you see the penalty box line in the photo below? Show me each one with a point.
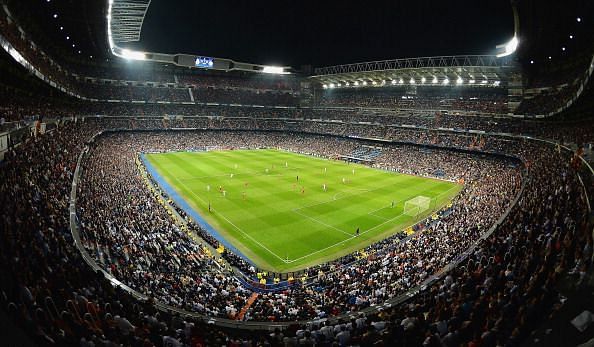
(235, 226)
(343, 241)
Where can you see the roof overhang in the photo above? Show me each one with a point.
(479, 70)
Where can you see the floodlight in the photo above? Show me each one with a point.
(423, 79)
(394, 82)
(484, 82)
(412, 81)
(132, 55)
(364, 83)
(346, 84)
(446, 81)
(531, 61)
(578, 19)
(400, 81)
(509, 48)
(67, 37)
(496, 83)
(434, 80)
(331, 85)
(338, 85)
(374, 83)
(273, 69)
(55, 15)
(356, 83)
(471, 81)
(571, 36)
(563, 49)
(325, 86)
(459, 80)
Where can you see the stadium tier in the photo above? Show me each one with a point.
(435, 201)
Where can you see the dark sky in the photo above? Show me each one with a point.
(323, 32)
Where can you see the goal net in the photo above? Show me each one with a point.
(416, 205)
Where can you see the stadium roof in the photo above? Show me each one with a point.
(126, 18)
(465, 69)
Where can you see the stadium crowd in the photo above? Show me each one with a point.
(58, 299)
(425, 98)
(118, 239)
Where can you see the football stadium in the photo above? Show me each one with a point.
(181, 173)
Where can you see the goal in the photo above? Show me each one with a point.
(416, 205)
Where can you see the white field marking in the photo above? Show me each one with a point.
(251, 173)
(372, 213)
(350, 238)
(336, 198)
(361, 191)
(323, 223)
(343, 241)
(228, 221)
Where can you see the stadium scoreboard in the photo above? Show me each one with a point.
(204, 62)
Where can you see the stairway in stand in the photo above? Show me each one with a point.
(249, 303)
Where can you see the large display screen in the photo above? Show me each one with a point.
(204, 62)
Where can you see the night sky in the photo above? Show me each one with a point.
(322, 33)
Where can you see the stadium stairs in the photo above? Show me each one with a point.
(247, 306)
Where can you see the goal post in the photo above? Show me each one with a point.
(416, 205)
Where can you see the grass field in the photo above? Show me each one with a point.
(274, 208)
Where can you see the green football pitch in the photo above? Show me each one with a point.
(287, 211)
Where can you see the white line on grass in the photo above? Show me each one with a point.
(228, 221)
(343, 241)
(323, 223)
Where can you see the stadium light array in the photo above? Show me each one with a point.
(484, 82)
(338, 85)
(132, 55)
(400, 81)
(374, 83)
(471, 81)
(325, 86)
(356, 83)
(394, 82)
(496, 83)
(331, 85)
(509, 48)
(459, 80)
(423, 79)
(274, 70)
(347, 84)
(412, 81)
(364, 83)
(434, 80)
(446, 81)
